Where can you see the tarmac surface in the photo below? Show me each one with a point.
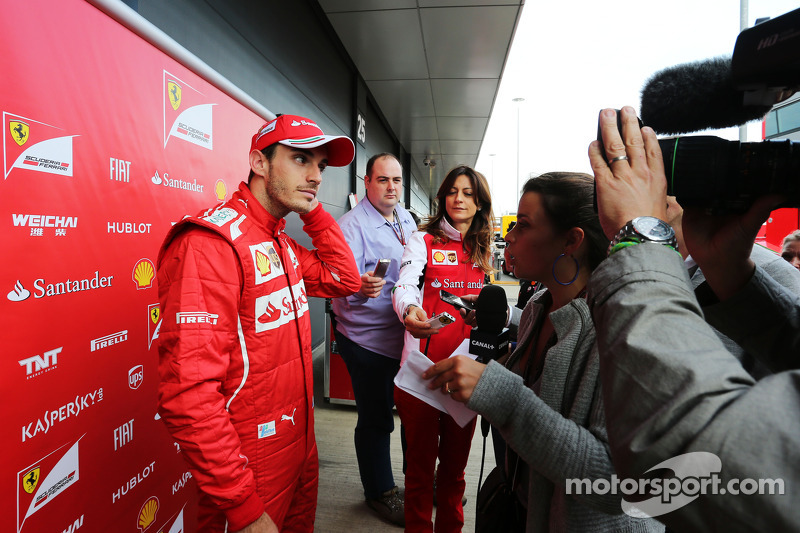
(340, 505)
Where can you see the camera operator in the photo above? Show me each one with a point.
(771, 263)
(669, 384)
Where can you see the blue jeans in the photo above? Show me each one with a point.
(372, 376)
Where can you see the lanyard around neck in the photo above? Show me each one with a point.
(401, 236)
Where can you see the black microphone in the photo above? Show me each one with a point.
(723, 92)
(697, 96)
(489, 340)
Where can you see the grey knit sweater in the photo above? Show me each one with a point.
(561, 433)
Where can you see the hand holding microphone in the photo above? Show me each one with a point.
(489, 340)
(458, 375)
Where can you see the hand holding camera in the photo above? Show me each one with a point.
(630, 174)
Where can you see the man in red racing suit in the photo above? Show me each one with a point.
(236, 388)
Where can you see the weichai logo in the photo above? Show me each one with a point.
(187, 113)
(38, 223)
(29, 144)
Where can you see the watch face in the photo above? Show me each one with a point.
(653, 228)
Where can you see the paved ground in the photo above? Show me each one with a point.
(341, 506)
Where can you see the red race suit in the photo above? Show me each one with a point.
(236, 387)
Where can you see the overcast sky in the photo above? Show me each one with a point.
(569, 59)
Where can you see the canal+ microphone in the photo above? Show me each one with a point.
(489, 340)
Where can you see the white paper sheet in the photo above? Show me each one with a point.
(409, 379)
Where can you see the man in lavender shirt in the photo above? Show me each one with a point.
(368, 333)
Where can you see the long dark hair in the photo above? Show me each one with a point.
(478, 239)
(568, 198)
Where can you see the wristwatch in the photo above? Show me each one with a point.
(644, 229)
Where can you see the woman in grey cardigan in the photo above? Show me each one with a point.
(546, 400)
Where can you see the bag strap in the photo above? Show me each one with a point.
(485, 425)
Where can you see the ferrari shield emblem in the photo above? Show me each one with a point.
(174, 91)
(19, 131)
(155, 313)
(30, 480)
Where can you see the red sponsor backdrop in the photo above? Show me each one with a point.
(106, 142)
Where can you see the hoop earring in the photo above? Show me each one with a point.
(577, 269)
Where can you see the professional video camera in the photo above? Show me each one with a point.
(727, 176)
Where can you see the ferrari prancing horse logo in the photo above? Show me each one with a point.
(30, 480)
(174, 91)
(19, 131)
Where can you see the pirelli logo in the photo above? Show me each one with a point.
(108, 340)
(197, 317)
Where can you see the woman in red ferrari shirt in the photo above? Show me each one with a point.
(452, 251)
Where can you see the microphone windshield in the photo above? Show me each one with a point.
(694, 97)
(490, 309)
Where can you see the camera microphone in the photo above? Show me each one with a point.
(723, 92)
(489, 340)
(696, 96)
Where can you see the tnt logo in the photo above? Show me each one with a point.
(135, 377)
(41, 363)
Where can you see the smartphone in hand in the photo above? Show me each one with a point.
(455, 301)
(441, 320)
(382, 267)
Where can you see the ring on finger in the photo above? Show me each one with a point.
(447, 388)
(618, 158)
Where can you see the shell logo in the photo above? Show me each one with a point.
(148, 513)
(438, 257)
(144, 272)
(221, 190)
(262, 263)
